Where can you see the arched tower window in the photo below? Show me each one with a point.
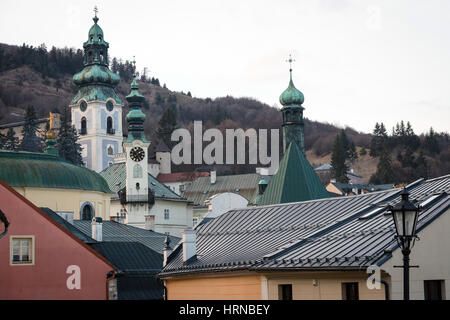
(87, 211)
(83, 126)
(109, 126)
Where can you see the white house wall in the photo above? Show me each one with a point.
(431, 254)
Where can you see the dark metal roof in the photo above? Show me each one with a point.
(336, 233)
(118, 232)
(68, 226)
(140, 288)
(130, 257)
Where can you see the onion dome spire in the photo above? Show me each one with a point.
(292, 111)
(135, 117)
(96, 81)
(291, 96)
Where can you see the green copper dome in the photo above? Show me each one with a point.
(96, 74)
(95, 33)
(40, 170)
(291, 96)
(96, 81)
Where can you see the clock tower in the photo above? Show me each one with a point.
(96, 108)
(136, 153)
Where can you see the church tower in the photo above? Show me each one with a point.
(292, 110)
(136, 152)
(96, 108)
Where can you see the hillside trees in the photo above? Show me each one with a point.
(30, 141)
(67, 141)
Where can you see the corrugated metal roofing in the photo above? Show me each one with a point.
(115, 175)
(322, 233)
(118, 232)
(68, 226)
(294, 181)
(140, 288)
(245, 185)
(130, 257)
(370, 187)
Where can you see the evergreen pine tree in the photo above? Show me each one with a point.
(379, 141)
(430, 143)
(30, 141)
(363, 151)
(422, 167)
(384, 173)
(67, 141)
(338, 157)
(167, 124)
(11, 141)
(352, 154)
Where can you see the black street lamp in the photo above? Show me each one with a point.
(405, 215)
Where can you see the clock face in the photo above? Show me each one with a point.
(83, 105)
(137, 154)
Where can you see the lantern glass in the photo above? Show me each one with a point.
(405, 222)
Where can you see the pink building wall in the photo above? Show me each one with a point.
(55, 250)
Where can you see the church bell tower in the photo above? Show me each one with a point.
(136, 151)
(292, 110)
(96, 108)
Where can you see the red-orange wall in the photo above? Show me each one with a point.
(55, 250)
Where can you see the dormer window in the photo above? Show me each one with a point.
(99, 38)
(92, 38)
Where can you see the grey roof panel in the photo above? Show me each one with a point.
(322, 233)
(118, 232)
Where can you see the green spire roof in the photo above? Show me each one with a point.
(294, 181)
(135, 117)
(96, 81)
(291, 96)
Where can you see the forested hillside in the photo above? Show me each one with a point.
(43, 78)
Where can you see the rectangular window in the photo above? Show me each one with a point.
(434, 289)
(22, 250)
(285, 292)
(350, 291)
(166, 214)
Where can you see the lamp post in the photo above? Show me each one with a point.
(405, 215)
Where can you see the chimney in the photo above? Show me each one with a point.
(213, 175)
(97, 229)
(189, 244)
(167, 250)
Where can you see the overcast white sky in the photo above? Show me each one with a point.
(357, 61)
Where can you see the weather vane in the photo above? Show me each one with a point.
(134, 65)
(290, 60)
